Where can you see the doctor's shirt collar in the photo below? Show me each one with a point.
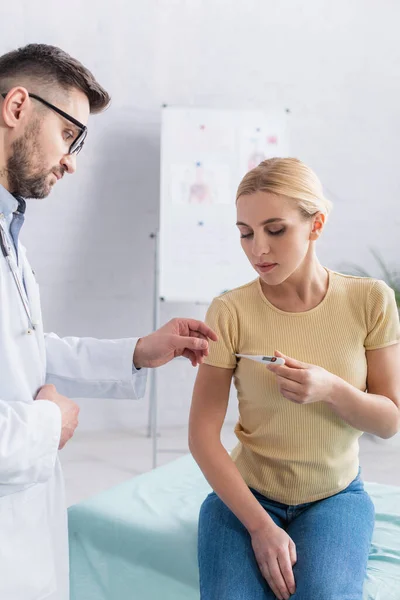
(8, 204)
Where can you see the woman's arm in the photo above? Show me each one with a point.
(274, 550)
(207, 415)
(378, 410)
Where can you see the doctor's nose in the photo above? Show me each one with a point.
(68, 161)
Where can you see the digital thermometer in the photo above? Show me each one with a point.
(263, 359)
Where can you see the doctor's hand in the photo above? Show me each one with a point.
(179, 337)
(303, 383)
(69, 412)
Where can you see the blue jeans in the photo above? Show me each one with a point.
(332, 538)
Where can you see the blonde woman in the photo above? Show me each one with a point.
(289, 516)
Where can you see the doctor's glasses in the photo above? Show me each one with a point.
(77, 144)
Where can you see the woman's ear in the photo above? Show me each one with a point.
(318, 223)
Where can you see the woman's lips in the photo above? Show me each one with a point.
(265, 267)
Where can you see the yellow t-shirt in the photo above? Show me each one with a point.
(299, 453)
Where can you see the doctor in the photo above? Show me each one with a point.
(46, 98)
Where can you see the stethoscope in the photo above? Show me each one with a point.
(6, 250)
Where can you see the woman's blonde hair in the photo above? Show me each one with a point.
(287, 177)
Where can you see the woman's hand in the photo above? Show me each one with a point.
(303, 383)
(275, 553)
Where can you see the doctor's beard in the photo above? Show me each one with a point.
(27, 176)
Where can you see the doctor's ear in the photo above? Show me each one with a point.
(318, 223)
(17, 107)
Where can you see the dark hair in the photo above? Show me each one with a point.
(52, 66)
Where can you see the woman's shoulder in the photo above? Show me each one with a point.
(358, 283)
(235, 301)
(368, 292)
(240, 294)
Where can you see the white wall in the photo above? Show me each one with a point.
(334, 64)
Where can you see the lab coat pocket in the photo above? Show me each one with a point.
(27, 568)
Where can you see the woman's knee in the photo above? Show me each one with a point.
(317, 588)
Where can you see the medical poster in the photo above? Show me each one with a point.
(204, 155)
(200, 184)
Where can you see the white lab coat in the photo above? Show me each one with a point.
(33, 518)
